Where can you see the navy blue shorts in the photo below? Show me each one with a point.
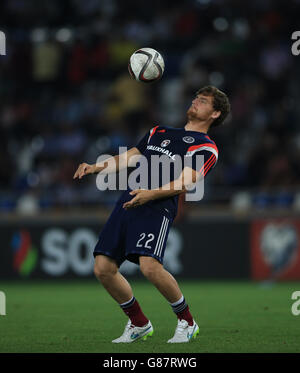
(128, 234)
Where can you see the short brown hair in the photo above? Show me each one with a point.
(220, 102)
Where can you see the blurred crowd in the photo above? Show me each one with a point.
(66, 95)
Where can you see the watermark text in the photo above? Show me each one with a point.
(154, 172)
(2, 44)
(296, 305)
(2, 304)
(296, 45)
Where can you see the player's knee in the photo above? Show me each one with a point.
(150, 269)
(103, 270)
(97, 271)
(102, 273)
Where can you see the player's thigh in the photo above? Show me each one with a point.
(111, 238)
(104, 266)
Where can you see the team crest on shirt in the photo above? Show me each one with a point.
(165, 143)
(188, 139)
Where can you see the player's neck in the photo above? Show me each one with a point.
(197, 126)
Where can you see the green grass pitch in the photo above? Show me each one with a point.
(81, 317)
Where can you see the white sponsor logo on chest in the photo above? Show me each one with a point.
(161, 150)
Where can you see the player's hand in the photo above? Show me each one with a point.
(84, 169)
(141, 196)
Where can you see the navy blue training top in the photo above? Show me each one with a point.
(166, 143)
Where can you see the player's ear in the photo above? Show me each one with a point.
(215, 114)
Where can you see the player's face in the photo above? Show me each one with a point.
(201, 108)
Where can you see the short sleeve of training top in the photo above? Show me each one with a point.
(209, 152)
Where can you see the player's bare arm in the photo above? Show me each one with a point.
(185, 181)
(110, 165)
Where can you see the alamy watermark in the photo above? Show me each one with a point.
(296, 45)
(159, 172)
(296, 305)
(2, 304)
(2, 44)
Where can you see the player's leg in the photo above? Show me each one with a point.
(138, 326)
(153, 270)
(146, 242)
(169, 288)
(146, 236)
(106, 271)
